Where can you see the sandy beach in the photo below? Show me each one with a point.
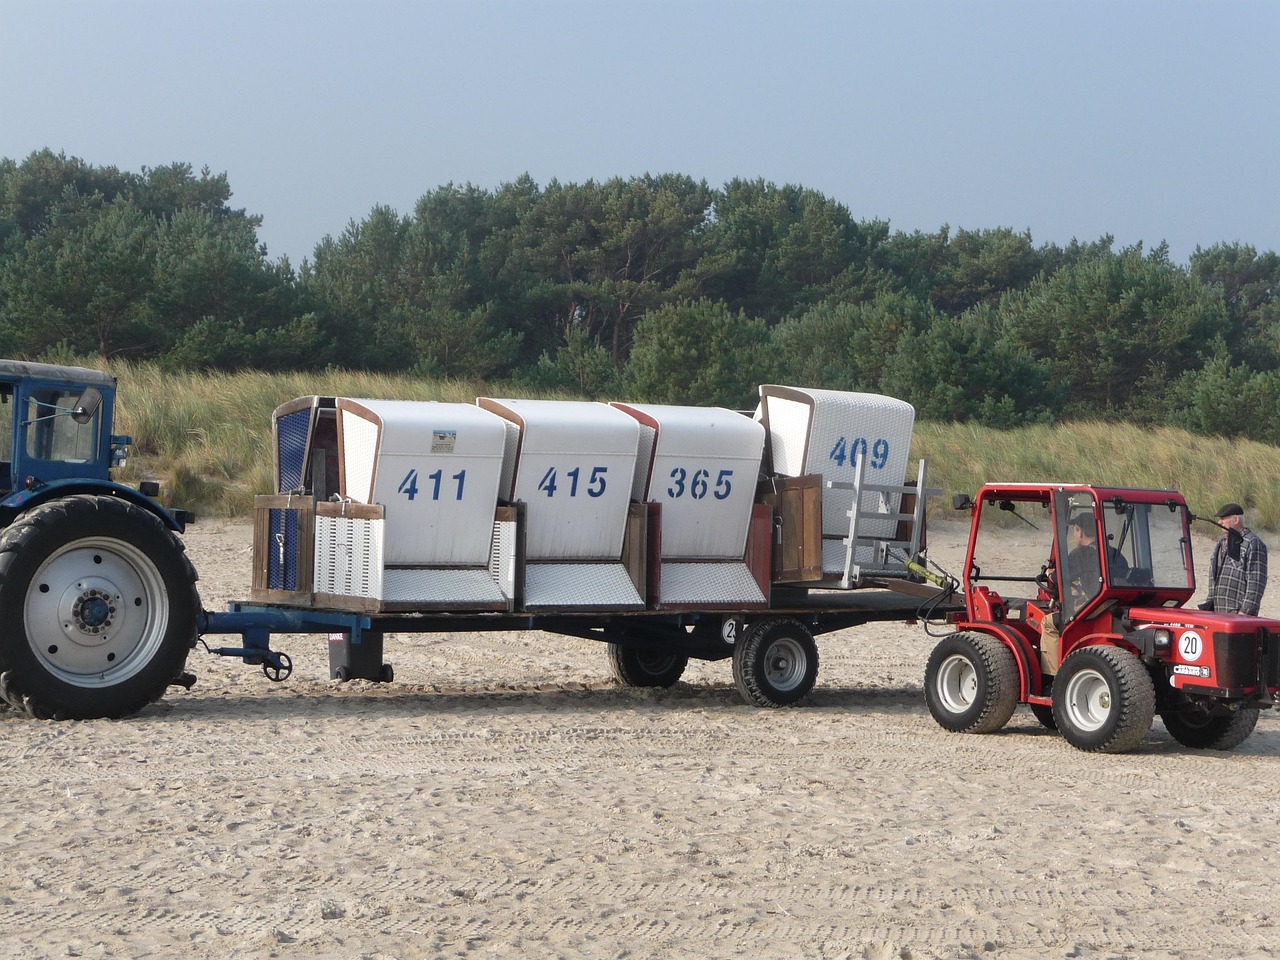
(504, 797)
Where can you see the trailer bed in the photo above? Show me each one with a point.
(638, 638)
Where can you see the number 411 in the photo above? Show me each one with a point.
(409, 485)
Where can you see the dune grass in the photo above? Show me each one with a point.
(1208, 471)
(207, 439)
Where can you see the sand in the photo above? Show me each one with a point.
(505, 798)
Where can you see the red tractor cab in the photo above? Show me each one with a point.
(1077, 608)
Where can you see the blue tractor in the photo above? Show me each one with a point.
(98, 603)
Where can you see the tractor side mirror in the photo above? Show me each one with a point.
(89, 403)
(962, 501)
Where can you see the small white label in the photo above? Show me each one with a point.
(1190, 646)
(443, 441)
(729, 632)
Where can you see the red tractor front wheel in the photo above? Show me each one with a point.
(1103, 700)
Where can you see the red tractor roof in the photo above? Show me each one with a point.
(1041, 492)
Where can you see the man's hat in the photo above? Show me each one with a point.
(1230, 510)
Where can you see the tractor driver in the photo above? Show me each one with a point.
(1084, 576)
(1083, 560)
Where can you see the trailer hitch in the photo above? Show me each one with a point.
(276, 666)
(256, 632)
(255, 625)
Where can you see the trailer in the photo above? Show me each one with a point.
(667, 533)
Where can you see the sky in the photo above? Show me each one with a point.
(1149, 121)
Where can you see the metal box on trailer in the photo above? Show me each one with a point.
(571, 463)
(415, 527)
(699, 467)
(824, 432)
(435, 469)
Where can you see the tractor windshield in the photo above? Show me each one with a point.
(1014, 541)
(54, 431)
(1152, 538)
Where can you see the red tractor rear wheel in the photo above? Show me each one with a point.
(971, 683)
(1196, 726)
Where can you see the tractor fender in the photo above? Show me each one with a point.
(1124, 642)
(1028, 661)
(20, 501)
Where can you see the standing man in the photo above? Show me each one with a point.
(1238, 569)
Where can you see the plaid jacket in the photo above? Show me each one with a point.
(1238, 577)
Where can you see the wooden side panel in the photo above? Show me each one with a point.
(284, 546)
(904, 526)
(635, 542)
(796, 504)
(760, 547)
(356, 511)
(653, 547)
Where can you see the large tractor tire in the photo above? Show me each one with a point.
(634, 666)
(776, 662)
(971, 683)
(97, 609)
(1195, 726)
(1103, 700)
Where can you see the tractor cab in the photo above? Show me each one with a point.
(1069, 558)
(55, 424)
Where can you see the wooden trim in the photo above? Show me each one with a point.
(351, 510)
(653, 546)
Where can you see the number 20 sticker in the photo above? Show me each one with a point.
(1190, 645)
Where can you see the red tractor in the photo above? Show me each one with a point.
(1085, 622)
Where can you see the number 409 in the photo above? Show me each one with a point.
(847, 451)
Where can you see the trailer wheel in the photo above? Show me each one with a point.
(97, 609)
(1195, 726)
(776, 662)
(639, 667)
(971, 683)
(1103, 700)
